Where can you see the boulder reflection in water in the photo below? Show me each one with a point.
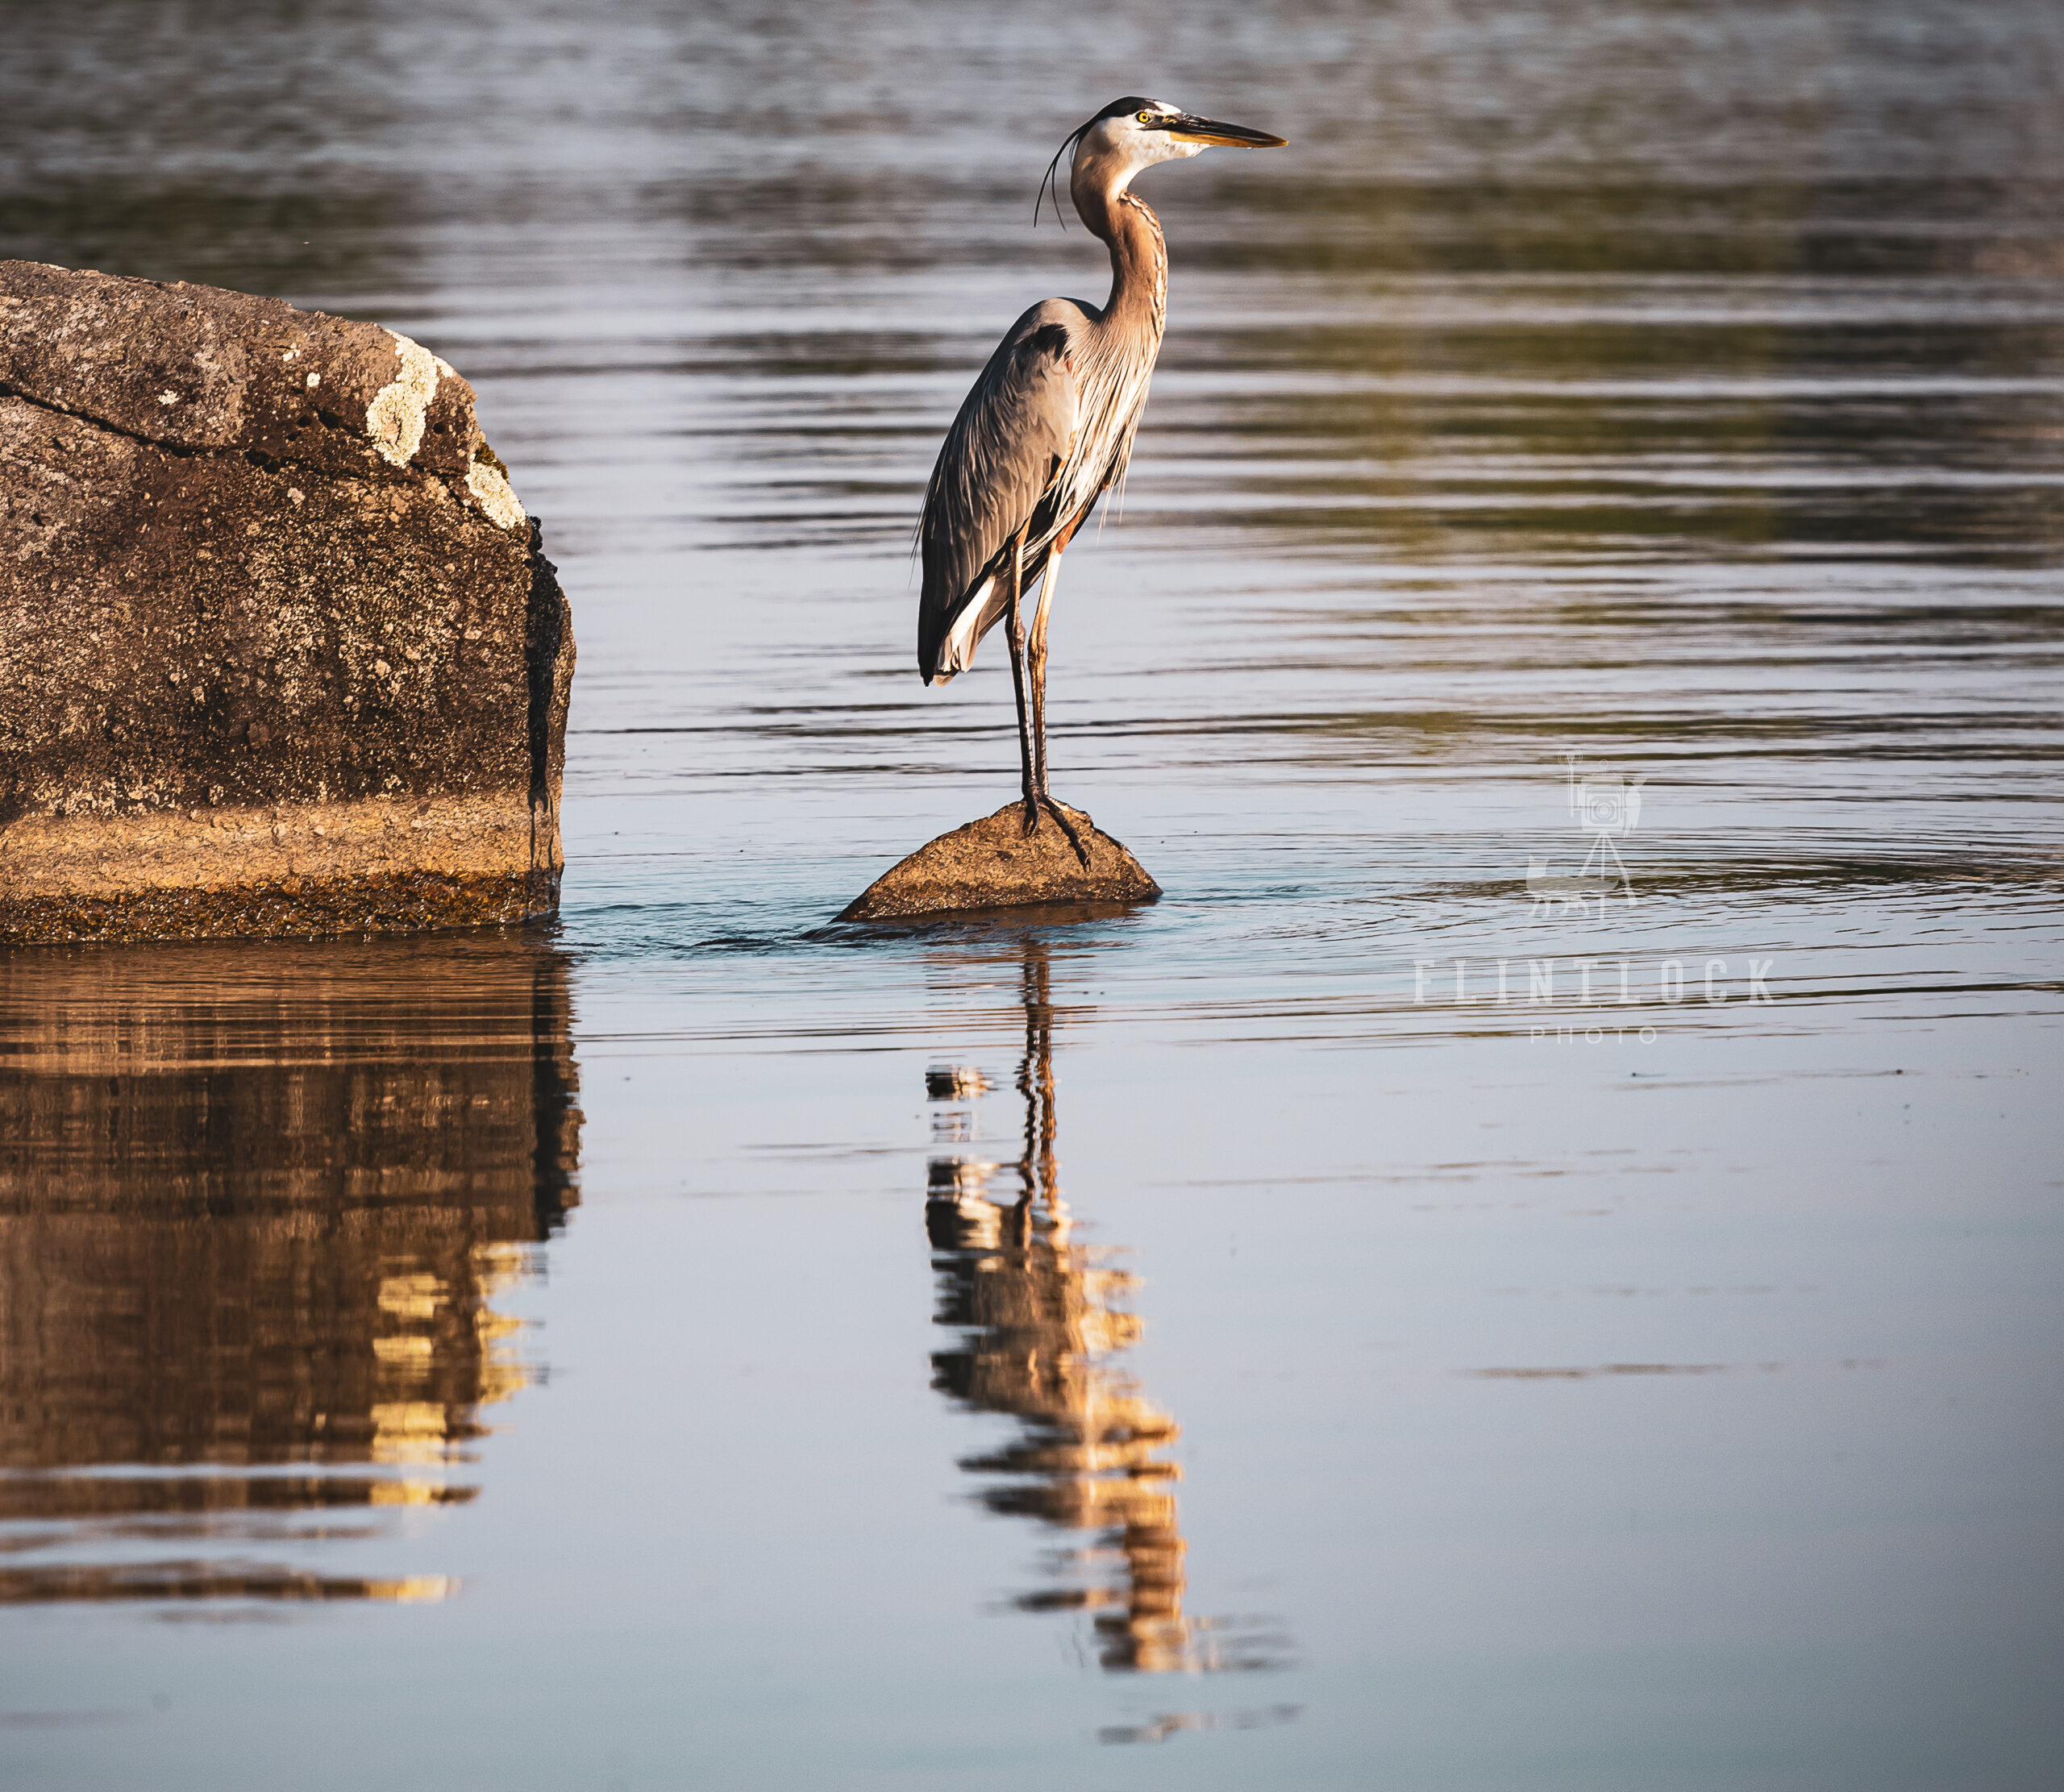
(255, 1205)
(1038, 1326)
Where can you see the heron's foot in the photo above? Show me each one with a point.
(1034, 804)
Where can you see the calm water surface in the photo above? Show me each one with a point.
(1393, 1312)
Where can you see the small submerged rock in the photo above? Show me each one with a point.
(993, 863)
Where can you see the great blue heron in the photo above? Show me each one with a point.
(1049, 426)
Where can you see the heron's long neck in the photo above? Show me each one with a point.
(1138, 304)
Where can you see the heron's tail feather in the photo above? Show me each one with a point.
(953, 651)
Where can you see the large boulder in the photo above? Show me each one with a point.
(280, 652)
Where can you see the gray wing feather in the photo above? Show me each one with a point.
(997, 471)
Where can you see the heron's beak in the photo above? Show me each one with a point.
(1187, 129)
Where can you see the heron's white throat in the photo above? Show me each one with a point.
(1125, 147)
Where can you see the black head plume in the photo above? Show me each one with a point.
(1048, 184)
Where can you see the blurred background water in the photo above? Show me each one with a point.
(754, 1352)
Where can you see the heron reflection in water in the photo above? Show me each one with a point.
(1039, 1326)
(1049, 425)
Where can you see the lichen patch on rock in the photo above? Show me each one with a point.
(495, 496)
(394, 419)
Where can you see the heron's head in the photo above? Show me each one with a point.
(1134, 133)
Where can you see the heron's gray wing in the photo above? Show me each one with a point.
(999, 459)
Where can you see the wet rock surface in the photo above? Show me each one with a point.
(279, 648)
(993, 863)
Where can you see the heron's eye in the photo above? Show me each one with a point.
(1144, 118)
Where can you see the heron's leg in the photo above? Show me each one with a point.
(1036, 655)
(1013, 618)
